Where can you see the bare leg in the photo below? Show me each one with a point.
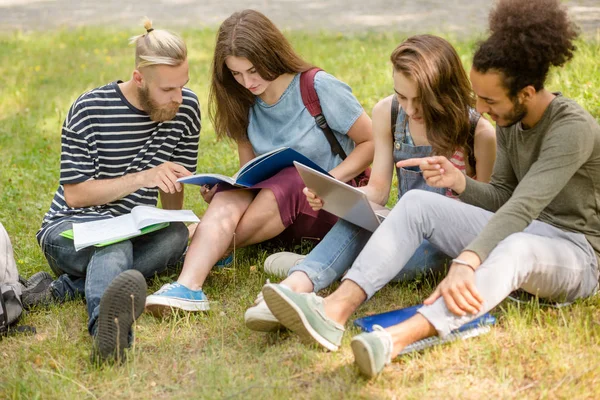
(213, 236)
(410, 331)
(260, 222)
(342, 303)
(299, 282)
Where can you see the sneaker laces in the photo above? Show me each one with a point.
(388, 342)
(166, 287)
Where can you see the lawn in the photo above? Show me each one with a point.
(532, 352)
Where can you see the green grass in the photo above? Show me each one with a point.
(533, 352)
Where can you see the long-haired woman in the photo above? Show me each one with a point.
(255, 100)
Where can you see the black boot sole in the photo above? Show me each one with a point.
(122, 303)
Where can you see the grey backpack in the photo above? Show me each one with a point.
(10, 309)
(11, 285)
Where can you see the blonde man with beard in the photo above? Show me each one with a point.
(123, 145)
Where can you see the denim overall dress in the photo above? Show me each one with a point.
(404, 148)
(427, 258)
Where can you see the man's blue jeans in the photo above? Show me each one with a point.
(334, 255)
(92, 269)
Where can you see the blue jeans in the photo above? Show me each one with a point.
(334, 255)
(92, 269)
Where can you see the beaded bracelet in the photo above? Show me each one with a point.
(461, 262)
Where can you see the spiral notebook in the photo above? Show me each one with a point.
(479, 326)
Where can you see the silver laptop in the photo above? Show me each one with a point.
(343, 200)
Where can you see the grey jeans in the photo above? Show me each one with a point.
(542, 260)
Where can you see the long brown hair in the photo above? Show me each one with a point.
(444, 90)
(251, 35)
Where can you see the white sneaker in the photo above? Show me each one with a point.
(260, 318)
(279, 264)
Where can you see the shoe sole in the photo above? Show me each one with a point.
(122, 303)
(161, 306)
(363, 357)
(292, 317)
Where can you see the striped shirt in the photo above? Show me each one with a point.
(105, 137)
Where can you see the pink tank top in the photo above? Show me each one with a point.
(458, 160)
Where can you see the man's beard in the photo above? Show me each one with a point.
(156, 113)
(518, 112)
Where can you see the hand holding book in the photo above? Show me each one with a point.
(256, 170)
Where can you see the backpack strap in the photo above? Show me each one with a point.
(473, 120)
(3, 316)
(313, 105)
(395, 108)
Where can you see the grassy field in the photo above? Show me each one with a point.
(533, 352)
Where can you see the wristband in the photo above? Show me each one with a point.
(461, 262)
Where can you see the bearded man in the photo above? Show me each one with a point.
(123, 145)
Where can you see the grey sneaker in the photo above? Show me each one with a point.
(303, 313)
(279, 264)
(372, 351)
(260, 318)
(121, 304)
(38, 290)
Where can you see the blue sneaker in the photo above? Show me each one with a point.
(224, 262)
(175, 295)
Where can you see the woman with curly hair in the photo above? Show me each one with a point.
(534, 227)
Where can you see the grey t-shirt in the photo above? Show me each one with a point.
(550, 172)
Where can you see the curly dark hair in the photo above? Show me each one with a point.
(527, 37)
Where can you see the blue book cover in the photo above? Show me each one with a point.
(474, 328)
(256, 170)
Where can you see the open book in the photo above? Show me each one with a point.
(471, 329)
(126, 226)
(256, 170)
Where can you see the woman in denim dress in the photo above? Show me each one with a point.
(431, 112)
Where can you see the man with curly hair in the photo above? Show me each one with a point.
(534, 227)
